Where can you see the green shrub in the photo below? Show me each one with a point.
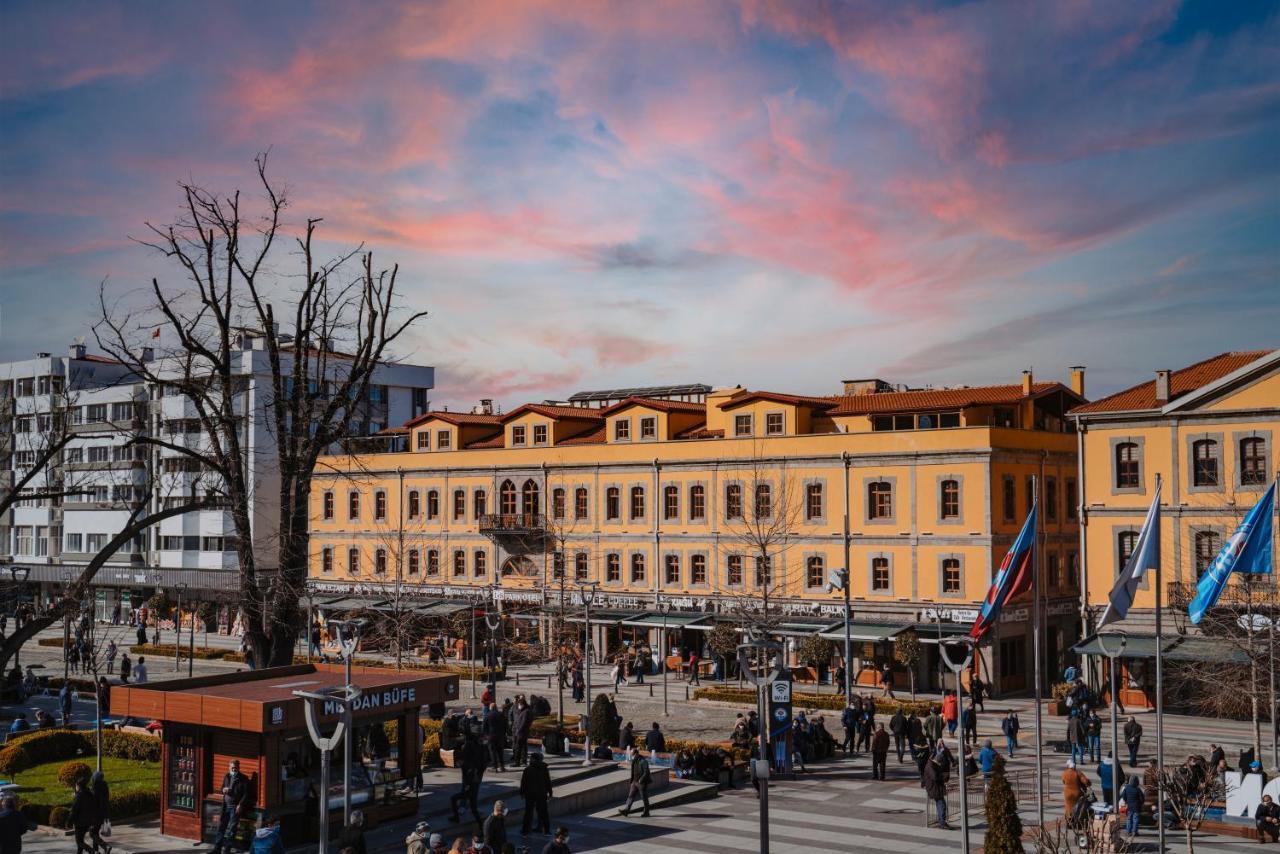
(72, 773)
(431, 750)
(132, 804)
(166, 650)
(60, 817)
(36, 813)
(53, 744)
(603, 725)
(830, 702)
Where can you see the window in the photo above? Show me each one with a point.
(1208, 544)
(22, 424)
(507, 498)
(612, 503)
(763, 575)
(415, 503)
(764, 501)
(459, 563)
(622, 430)
(950, 499)
(697, 503)
(733, 574)
(671, 502)
(415, 562)
(742, 425)
(1072, 498)
(99, 453)
(813, 501)
(1051, 571)
(951, 575)
(72, 543)
(613, 567)
(649, 428)
(1051, 499)
(879, 500)
(353, 505)
(433, 562)
(95, 413)
(1128, 542)
(433, 504)
(773, 424)
(1128, 473)
(444, 440)
(529, 498)
(326, 560)
(881, 581)
(353, 561)
(122, 412)
(671, 569)
(1073, 569)
(539, 434)
(76, 455)
(814, 572)
(479, 563)
(637, 568)
(1253, 462)
(517, 434)
(459, 504)
(733, 501)
(1204, 463)
(580, 503)
(380, 561)
(580, 566)
(557, 502)
(698, 569)
(94, 543)
(327, 503)
(637, 502)
(379, 505)
(424, 440)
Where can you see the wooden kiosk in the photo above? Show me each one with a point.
(254, 717)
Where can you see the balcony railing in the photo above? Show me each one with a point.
(1263, 592)
(512, 523)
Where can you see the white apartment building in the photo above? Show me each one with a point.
(107, 406)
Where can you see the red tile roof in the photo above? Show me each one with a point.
(593, 436)
(456, 418)
(942, 398)
(790, 399)
(700, 432)
(657, 404)
(1181, 382)
(552, 411)
(497, 440)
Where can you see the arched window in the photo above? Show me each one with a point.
(415, 503)
(612, 503)
(353, 561)
(697, 503)
(529, 498)
(459, 563)
(671, 503)
(433, 504)
(1128, 470)
(951, 575)
(380, 561)
(415, 562)
(580, 503)
(1128, 541)
(1204, 462)
(671, 569)
(950, 499)
(1208, 544)
(433, 562)
(814, 571)
(612, 567)
(459, 504)
(507, 498)
(733, 501)
(580, 566)
(879, 500)
(380, 505)
(698, 569)
(557, 503)
(637, 502)
(1253, 461)
(764, 501)
(637, 568)
(480, 503)
(479, 563)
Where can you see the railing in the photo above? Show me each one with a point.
(1261, 592)
(513, 523)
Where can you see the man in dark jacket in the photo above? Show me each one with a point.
(898, 726)
(1267, 819)
(654, 740)
(640, 779)
(235, 795)
(12, 825)
(849, 720)
(470, 759)
(1010, 726)
(1078, 738)
(102, 806)
(934, 781)
(879, 752)
(1133, 738)
(84, 812)
(495, 733)
(535, 788)
(352, 836)
(495, 827)
(559, 845)
(521, 723)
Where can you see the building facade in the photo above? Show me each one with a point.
(717, 505)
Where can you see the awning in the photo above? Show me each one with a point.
(445, 608)
(654, 620)
(1205, 649)
(863, 632)
(803, 630)
(928, 632)
(353, 603)
(603, 617)
(1136, 646)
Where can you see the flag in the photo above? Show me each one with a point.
(156, 334)
(1146, 555)
(1015, 577)
(1248, 550)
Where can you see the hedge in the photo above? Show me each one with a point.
(123, 806)
(829, 702)
(25, 751)
(73, 772)
(165, 650)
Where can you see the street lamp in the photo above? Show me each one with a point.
(839, 580)
(664, 607)
(765, 650)
(1123, 641)
(492, 621)
(156, 580)
(19, 574)
(343, 697)
(348, 634)
(967, 645)
(66, 629)
(177, 628)
(588, 593)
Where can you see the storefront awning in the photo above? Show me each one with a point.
(353, 603)
(1136, 646)
(1206, 649)
(654, 620)
(928, 632)
(604, 617)
(863, 632)
(790, 628)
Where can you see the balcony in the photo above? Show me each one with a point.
(1261, 593)
(513, 523)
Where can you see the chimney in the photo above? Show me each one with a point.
(1026, 382)
(148, 354)
(1077, 379)
(1162, 387)
(76, 351)
(854, 388)
(485, 407)
(42, 355)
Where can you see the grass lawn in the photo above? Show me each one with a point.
(39, 784)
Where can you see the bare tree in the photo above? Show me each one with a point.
(318, 372)
(1189, 792)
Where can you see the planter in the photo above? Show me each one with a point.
(1056, 708)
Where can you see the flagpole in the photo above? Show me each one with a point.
(1159, 700)
(1035, 641)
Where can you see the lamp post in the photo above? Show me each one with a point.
(839, 580)
(957, 667)
(493, 621)
(1122, 641)
(66, 629)
(191, 648)
(664, 607)
(475, 604)
(19, 574)
(156, 580)
(764, 651)
(588, 592)
(344, 698)
(177, 628)
(348, 634)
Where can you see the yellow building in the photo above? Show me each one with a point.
(1208, 431)
(719, 501)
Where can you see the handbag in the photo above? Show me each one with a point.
(106, 828)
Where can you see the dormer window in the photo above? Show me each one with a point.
(742, 425)
(518, 434)
(444, 440)
(424, 440)
(774, 424)
(539, 434)
(649, 428)
(622, 430)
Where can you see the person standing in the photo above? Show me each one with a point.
(140, 671)
(126, 668)
(495, 827)
(1073, 785)
(112, 651)
(495, 733)
(987, 762)
(535, 788)
(83, 815)
(978, 691)
(471, 762)
(1010, 726)
(235, 794)
(1077, 738)
(693, 667)
(1093, 732)
(969, 725)
(654, 740)
(879, 753)
(64, 703)
(559, 845)
(640, 780)
(521, 724)
(142, 627)
(933, 727)
(102, 810)
(849, 720)
(1132, 798)
(934, 781)
(1133, 739)
(886, 680)
(1105, 778)
(951, 711)
(352, 836)
(898, 726)
(13, 825)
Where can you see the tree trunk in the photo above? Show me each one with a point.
(911, 674)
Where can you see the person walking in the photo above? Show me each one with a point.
(579, 683)
(140, 671)
(521, 724)
(898, 726)
(933, 727)
(879, 753)
(84, 812)
(886, 681)
(235, 794)
(495, 827)
(950, 711)
(1093, 732)
(1010, 726)
(849, 720)
(969, 725)
(987, 762)
(915, 730)
(978, 690)
(352, 836)
(64, 703)
(142, 628)
(112, 651)
(1133, 798)
(1073, 786)
(102, 810)
(559, 845)
(535, 788)
(495, 733)
(126, 668)
(640, 780)
(1133, 739)
(693, 667)
(471, 763)
(934, 781)
(13, 825)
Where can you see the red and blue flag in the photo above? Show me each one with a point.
(1014, 578)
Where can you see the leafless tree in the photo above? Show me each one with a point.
(343, 323)
(1189, 796)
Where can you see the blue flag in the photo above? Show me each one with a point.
(1016, 575)
(1248, 550)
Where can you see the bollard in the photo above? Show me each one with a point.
(548, 681)
(517, 678)
(686, 691)
(650, 691)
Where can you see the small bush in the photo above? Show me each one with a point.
(829, 702)
(72, 773)
(60, 817)
(53, 744)
(132, 804)
(166, 650)
(431, 750)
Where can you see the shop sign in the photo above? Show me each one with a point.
(533, 597)
(952, 615)
(1018, 616)
(1062, 609)
(277, 715)
(375, 700)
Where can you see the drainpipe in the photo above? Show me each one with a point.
(848, 582)
(659, 568)
(1082, 520)
(399, 568)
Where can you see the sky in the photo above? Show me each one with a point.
(592, 195)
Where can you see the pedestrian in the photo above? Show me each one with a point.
(579, 684)
(950, 711)
(266, 839)
(1010, 726)
(1266, 819)
(849, 721)
(435, 845)
(495, 733)
(102, 810)
(898, 726)
(140, 671)
(352, 835)
(13, 825)
(235, 794)
(313, 641)
(417, 842)
(617, 675)
(879, 753)
(987, 762)
(627, 738)
(1073, 786)
(1077, 737)
(64, 703)
(1093, 732)
(654, 740)
(886, 680)
(934, 781)
(640, 780)
(126, 668)
(1132, 797)
(73, 658)
(969, 728)
(535, 788)
(84, 813)
(1105, 778)
(142, 632)
(1133, 739)
(112, 650)
(495, 827)
(639, 665)
(933, 727)
(521, 724)
(693, 667)
(470, 760)
(559, 845)
(978, 689)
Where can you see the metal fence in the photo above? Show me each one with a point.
(1023, 784)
